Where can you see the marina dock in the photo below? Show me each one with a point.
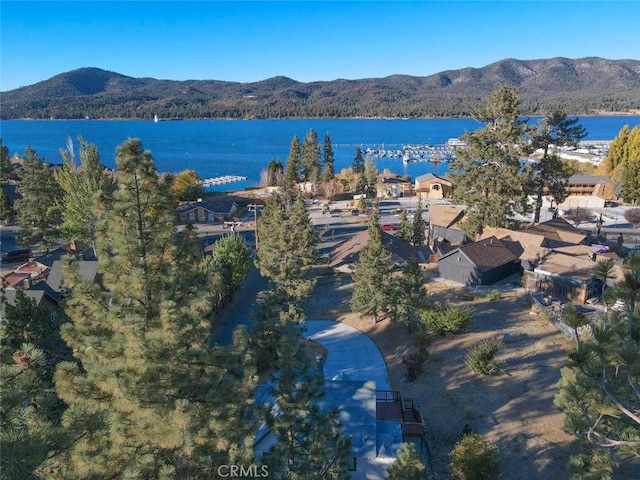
(212, 182)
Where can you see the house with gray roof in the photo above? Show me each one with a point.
(484, 262)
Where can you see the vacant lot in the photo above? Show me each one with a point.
(513, 410)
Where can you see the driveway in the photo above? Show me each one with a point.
(350, 352)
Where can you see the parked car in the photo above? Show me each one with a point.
(388, 227)
(13, 256)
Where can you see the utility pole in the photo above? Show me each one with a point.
(254, 207)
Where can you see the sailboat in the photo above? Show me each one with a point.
(155, 118)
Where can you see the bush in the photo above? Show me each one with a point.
(473, 458)
(466, 296)
(447, 319)
(493, 296)
(480, 358)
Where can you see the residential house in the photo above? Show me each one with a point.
(444, 226)
(557, 233)
(393, 187)
(568, 277)
(588, 191)
(345, 255)
(212, 209)
(430, 185)
(484, 262)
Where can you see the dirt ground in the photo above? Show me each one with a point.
(513, 410)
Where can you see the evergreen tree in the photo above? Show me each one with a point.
(5, 164)
(487, 173)
(372, 289)
(153, 400)
(287, 247)
(418, 226)
(328, 170)
(6, 208)
(549, 174)
(38, 216)
(409, 465)
(310, 157)
(309, 444)
(29, 433)
(81, 185)
(292, 174)
(273, 174)
(410, 293)
(358, 162)
(405, 231)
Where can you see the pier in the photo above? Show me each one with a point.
(212, 182)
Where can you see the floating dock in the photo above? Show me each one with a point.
(212, 182)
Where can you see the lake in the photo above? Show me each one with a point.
(244, 147)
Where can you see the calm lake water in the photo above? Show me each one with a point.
(244, 147)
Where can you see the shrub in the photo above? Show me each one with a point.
(480, 358)
(473, 458)
(447, 319)
(466, 296)
(493, 296)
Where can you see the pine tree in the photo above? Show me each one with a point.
(410, 293)
(82, 185)
(358, 162)
(310, 444)
(292, 175)
(5, 164)
(310, 157)
(488, 178)
(418, 226)
(372, 289)
(38, 217)
(328, 170)
(405, 231)
(409, 465)
(550, 174)
(287, 247)
(29, 432)
(153, 400)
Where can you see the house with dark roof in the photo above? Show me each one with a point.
(430, 185)
(484, 262)
(212, 209)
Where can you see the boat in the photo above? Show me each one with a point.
(155, 118)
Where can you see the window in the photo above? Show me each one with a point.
(435, 186)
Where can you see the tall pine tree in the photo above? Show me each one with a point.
(418, 226)
(328, 169)
(38, 216)
(372, 288)
(488, 174)
(152, 399)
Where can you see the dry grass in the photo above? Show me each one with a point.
(513, 410)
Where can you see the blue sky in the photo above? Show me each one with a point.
(307, 41)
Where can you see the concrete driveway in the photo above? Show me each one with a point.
(349, 352)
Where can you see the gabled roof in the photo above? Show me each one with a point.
(347, 251)
(71, 248)
(583, 179)
(431, 176)
(87, 271)
(446, 216)
(485, 254)
(221, 205)
(557, 230)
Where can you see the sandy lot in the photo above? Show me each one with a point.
(513, 410)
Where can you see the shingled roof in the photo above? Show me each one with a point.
(486, 254)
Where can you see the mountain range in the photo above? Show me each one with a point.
(578, 86)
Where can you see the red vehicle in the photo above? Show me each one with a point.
(388, 227)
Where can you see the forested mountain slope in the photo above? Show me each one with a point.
(579, 86)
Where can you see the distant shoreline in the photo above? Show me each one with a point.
(632, 113)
